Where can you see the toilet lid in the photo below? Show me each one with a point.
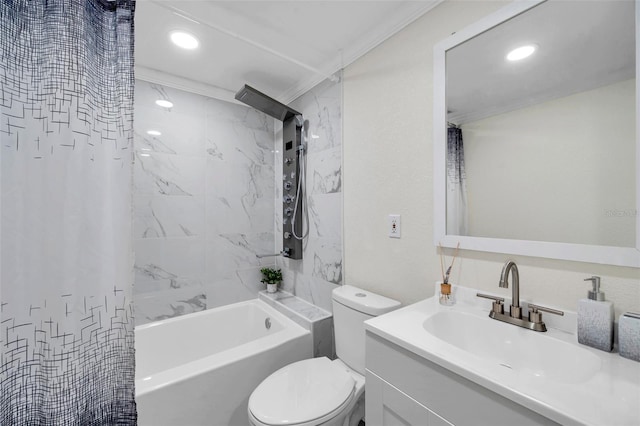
(301, 392)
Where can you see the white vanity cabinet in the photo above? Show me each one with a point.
(405, 389)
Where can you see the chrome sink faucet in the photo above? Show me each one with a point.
(510, 266)
(534, 321)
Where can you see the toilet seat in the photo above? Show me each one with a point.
(312, 390)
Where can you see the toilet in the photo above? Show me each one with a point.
(320, 391)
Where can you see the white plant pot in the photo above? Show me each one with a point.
(272, 288)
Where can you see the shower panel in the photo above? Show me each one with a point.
(292, 157)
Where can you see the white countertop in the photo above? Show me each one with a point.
(609, 397)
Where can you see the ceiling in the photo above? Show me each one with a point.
(581, 46)
(282, 48)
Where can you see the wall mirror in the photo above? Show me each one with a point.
(539, 156)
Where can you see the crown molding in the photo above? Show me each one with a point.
(170, 80)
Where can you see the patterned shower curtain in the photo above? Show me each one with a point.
(457, 223)
(66, 111)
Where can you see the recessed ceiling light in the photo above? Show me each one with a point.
(184, 40)
(154, 132)
(164, 103)
(522, 52)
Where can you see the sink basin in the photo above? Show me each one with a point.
(527, 352)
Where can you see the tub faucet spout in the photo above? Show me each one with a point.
(511, 267)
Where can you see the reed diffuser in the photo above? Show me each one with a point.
(445, 286)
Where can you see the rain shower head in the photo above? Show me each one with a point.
(264, 103)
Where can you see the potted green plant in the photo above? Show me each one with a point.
(271, 277)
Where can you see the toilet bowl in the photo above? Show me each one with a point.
(315, 391)
(320, 391)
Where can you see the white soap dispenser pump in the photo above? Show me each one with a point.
(595, 319)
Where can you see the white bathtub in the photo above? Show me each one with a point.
(199, 369)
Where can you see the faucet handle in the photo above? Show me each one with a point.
(536, 317)
(498, 302)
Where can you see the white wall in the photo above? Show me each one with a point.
(388, 168)
(563, 178)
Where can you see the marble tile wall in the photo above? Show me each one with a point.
(203, 202)
(320, 271)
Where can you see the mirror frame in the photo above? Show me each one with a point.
(608, 255)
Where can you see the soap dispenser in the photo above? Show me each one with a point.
(595, 319)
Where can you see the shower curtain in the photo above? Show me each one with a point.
(66, 111)
(456, 184)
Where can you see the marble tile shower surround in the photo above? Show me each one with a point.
(207, 196)
(203, 202)
(320, 271)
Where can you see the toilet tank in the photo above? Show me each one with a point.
(352, 306)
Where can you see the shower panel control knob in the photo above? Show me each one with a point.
(288, 211)
(287, 235)
(288, 199)
(287, 185)
(288, 160)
